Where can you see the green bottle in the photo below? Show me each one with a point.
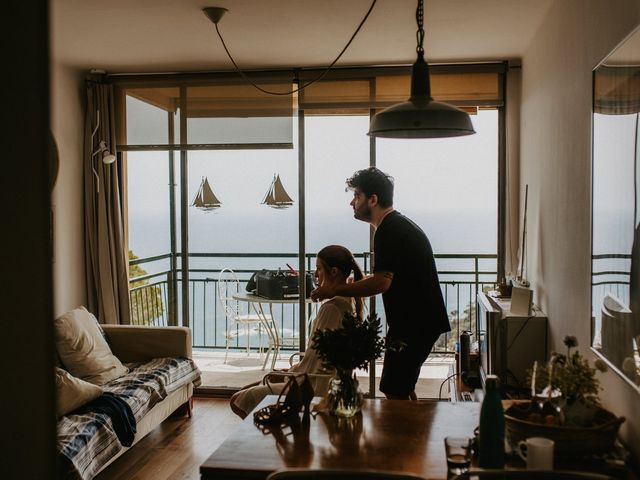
(491, 442)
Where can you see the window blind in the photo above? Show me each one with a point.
(361, 90)
(220, 109)
(616, 90)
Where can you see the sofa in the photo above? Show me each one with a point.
(152, 377)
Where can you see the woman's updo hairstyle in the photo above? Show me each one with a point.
(341, 258)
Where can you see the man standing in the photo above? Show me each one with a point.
(405, 273)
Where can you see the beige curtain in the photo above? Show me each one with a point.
(105, 250)
(512, 175)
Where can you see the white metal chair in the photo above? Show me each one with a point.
(285, 337)
(228, 286)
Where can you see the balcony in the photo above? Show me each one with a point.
(156, 297)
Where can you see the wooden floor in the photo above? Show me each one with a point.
(176, 448)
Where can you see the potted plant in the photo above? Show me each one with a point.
(571, 385)
(352, 346)
(567, 410)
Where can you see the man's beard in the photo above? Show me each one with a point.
(364, 213)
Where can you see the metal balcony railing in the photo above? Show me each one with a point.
(461, 277)
(611, 274)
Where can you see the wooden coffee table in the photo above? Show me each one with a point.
(390, 435)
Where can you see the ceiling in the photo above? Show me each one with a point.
(174, 35)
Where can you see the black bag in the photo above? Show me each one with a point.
(251, 284)
(278, 285)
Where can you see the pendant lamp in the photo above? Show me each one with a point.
(421, 116)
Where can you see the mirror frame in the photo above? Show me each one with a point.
(53, 160)
(610, 363)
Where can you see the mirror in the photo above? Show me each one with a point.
(615, 264)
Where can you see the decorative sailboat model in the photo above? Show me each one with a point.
(205, 199)
(277, 196)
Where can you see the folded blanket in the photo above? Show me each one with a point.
(88, 439)
(119, 411)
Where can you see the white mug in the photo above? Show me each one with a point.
(537, 452)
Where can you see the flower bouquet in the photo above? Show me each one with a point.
(352, 346)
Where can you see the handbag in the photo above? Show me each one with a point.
(278, 285)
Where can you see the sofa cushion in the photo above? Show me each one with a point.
(83, 349)
(72, 392)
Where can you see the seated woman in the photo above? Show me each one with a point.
(334, 264)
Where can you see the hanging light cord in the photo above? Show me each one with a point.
(300, 87)
(420, 32)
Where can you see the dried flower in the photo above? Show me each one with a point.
(629, 365)
(601, 365)
(570, 341)
(571, 374)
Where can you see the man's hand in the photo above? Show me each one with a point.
(322, 293)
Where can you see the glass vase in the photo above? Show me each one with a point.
(344, 398)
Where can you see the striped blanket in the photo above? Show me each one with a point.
(87, 441)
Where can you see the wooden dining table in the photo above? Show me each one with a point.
(388, 435)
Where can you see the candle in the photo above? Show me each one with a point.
(533, 379)
(550, 377)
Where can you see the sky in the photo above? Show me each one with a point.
(448, 186)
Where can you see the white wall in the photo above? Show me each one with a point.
(67, 124)
(556, 163)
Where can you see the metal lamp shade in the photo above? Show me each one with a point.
(421, 116)
(421, 119)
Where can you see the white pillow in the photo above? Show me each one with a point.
(72, 392)
(83, 350)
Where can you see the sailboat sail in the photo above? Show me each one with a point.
(205, 199)
(277, 196)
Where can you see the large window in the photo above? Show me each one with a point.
(449, 186)
(335, 146)
(181, 131)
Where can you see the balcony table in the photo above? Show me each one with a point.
(267, 319)
(392, 435)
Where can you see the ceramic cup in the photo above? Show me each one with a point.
(537, 452)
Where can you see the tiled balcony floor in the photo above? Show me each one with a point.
(242, 369)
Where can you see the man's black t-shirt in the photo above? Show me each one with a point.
(413, 304)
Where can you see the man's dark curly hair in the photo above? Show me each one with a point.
(372, 181)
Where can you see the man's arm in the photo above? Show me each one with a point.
(377, 283)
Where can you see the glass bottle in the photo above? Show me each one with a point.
(491, 442)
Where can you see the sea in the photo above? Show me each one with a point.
(270, 231)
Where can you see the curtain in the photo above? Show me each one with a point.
(105, 249)
(512, 242)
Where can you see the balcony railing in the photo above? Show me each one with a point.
(461, 277)
(611, 273)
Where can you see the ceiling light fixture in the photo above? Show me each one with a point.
(214, 14)
(421, 116)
